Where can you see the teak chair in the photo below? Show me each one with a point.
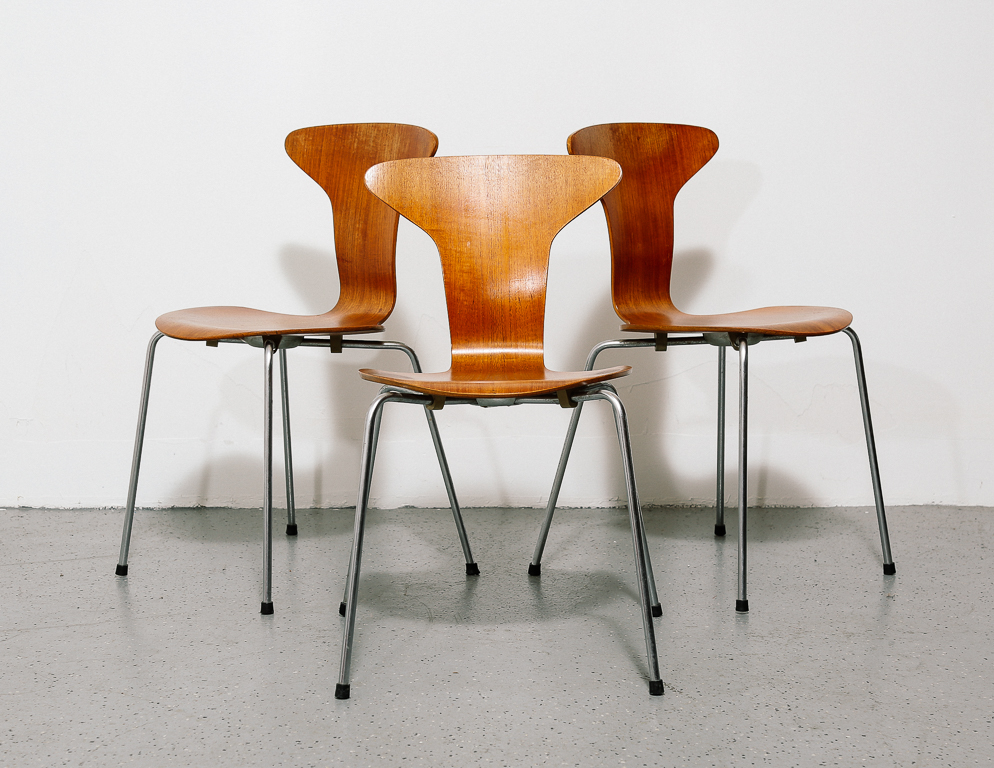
(657, 160)
(493, 220)
(336, 157)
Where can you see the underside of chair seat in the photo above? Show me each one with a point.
(207, 323)
(771, 321)
(516, 385)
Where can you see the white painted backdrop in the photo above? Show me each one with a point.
(142, 170)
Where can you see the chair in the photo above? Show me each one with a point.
(658, 160)
(493, 220)
(336, 157)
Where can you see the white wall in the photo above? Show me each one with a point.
(142, 170)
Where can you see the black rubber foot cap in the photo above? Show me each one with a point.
(291, 530)
(655, 687)
(742, 606)
(341, 608)
(472, 569)
(889, 569)
(657, 611)
(267, 609)
(719, 530)
(122, 570)
(534, 570)
(341, 691)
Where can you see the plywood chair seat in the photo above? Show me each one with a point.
(512, 384)
(216, 323)
(766, 321)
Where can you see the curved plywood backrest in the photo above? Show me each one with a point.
(337, 157)
(657, 159)
(493, 219)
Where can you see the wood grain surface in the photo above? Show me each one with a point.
(493, 219)
(336, 157)
(657, 160)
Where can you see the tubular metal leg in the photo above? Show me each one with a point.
(365, 499)
(291, 511)
(719, 519)
(472, 569)
(742, 602)
(267, 484)
(136, 457)
(871, 449)
(342, 689)
(535, 566)
(642, 565)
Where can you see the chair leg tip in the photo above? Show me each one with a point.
(657, 611)
(472, 569)
(341, 608)
(342, 691)
(291, 530)
(742, 606)
(534, 570)
(267, 609)
(719, 530)
(889, 569)
(655, 687)
(122, 570)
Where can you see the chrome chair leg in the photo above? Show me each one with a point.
(291, 510)
(719, 519)
(535, 566)
(878, 495)
(267, 484)
(742, 602)
(342, 689)
(364, 470)
(136, 457)
(472, 569)
(642, 562)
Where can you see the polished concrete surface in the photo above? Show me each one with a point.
(835, 665)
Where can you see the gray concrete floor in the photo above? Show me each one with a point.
(836, 664)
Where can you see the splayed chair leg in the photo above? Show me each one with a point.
(719, 517)
(878, 495)
(269, 348)
(472, 569)
(368, 476)
(535, 567)
(343, 688)
(136, 457)
(642, 564)
(291, 510)
(742, 601)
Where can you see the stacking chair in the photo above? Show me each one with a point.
(493, 220)
(336, 157)
(658, 160)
